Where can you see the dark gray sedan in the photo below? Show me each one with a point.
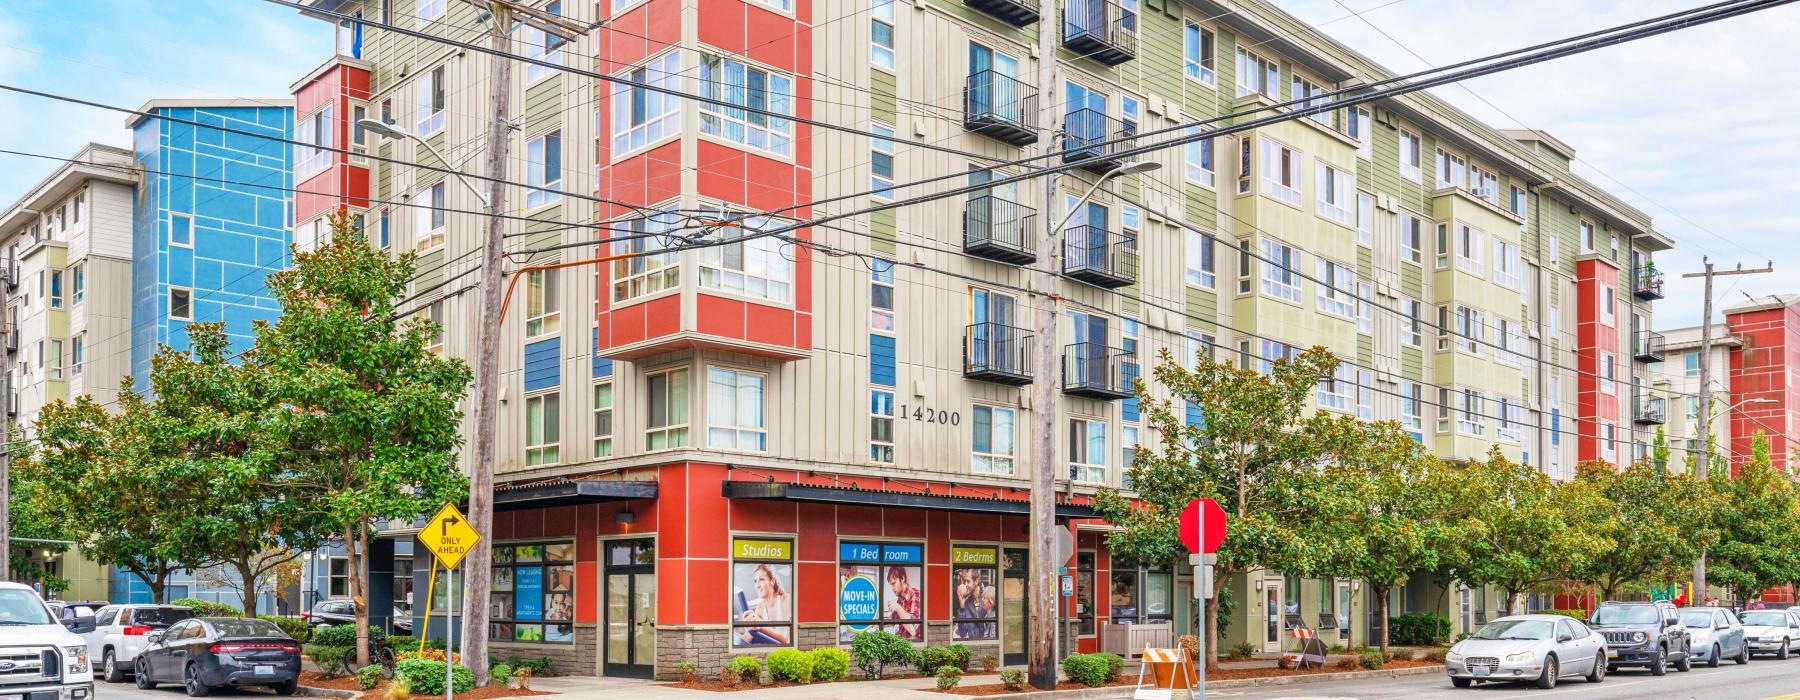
(203, 653)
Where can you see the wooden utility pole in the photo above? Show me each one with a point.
(1706, 446)
(1045, 594)
(6, 424)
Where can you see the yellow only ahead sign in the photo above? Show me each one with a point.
(449, 536)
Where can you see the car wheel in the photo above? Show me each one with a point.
(1548, 680)
(1660, 664)
(111, 671)
(141, 674)
(194, 686)
(1713, 661)
(1599, 672)
(1743, 656)
(288, 688)
(1461, 682)
(1783, 654)
(1687, 659)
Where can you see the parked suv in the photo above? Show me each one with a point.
(1644, 634)
(121, 632)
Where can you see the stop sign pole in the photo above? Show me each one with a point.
(1202, 529)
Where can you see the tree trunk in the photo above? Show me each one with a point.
(1511, 597)
(158, 586)
(246, 586)
(1212, 632)
(1381, 615)
(1608, 590)
(355, 541)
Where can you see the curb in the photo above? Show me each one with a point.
(1126, 691)
(325, 692)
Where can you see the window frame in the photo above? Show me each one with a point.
(508, 585)
(1287, 180)
(1082, 471)
(544, 446)
(432, 103)
(676, 432)
(188, 228)
(431, 217)
(170, 307)
(1199, 51)
(661, 112)
(603, 422)
(1200, 259)
(882, 56)
(1335, 192)
(717, 122)
(543, 162)
(992, 457)
(1281, 280)
(759, 431)
(543, 46)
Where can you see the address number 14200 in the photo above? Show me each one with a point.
(928, 415)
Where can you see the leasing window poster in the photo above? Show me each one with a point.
(881, 586)
(976, 608)
(762, 584)
(533, 593)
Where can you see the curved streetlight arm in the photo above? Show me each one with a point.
(1132, 169)
(393, 132)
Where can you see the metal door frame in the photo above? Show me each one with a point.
(632, 668)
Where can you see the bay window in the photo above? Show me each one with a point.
(641, 116)
(666, 409)
(1337, 190)
(1279, 277)
(738, 83)
(734, 410)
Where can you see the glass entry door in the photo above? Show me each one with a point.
(629, 598)
(1343, 612)
(1014, 607)
(1272, 613)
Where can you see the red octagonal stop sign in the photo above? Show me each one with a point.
(1197, 509)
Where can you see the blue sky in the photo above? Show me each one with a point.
(1695, 128)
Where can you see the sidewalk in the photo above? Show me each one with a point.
(590, 688)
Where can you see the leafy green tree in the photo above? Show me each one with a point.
(1757, 546)
(1657, 524)
(1251, 452)
(1523, 530)
(30, 520)
(362, 421)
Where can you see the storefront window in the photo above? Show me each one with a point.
(762, 606)
(1084, 592)
(1122, 595)
(972, 571)
(533, 593)
(1159, 592)
(881, 581)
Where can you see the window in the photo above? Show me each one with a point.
(603, 419)
(977, 612)
(1280, 172)
(1338, 391)
(734, 410)
(1244, 266)
(881, 426)
(181, 230)
(314, 131)
(738, 83)
(1412, 325)
(1365, 395)
(431, 219)
(666, 403)
(1452, 170)
(1412, 409)
(56, 359)
(1087, 450)
(436, 312)
(1516, 202)
(1587, 237)
(543, 303)
(1257, 75)
(783, 5)
(1608, 306)
(543, 46)
(1365, 308)
(1199, 255)
(1470, 245)
(1484, 184)
(1274, 351)
(1471, 329)
(1199, 159)
(1279, 276)
(1337, 288)
(640, 274)
(1509, 420)
(1243, 166)
(995, 436)
(641, 116)
(429, 10)
(78, 281)
(762, 267)
(1690, 364)
(1409, 155)
(383, 239)
(881, 162)
(881, 296)
(1337, 191)
(532, 594)
(337, 577)
(1359, 124)
(881, 33)
(1197, 55)
(359, 137)
(543, 170)
(56, 289)
(430, 95)
(762, 593)
(77, 351)
(881, 586)
(543, 429)
(1412, 237)
(1365, 219)
(1507, 266)
(1608, 440)
(1308, 94)
(1470, 419)
(181, 304)
(1511, 337)
(1608, 373)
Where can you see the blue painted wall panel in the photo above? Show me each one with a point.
(543, 364)
(882, 360)
(602, 367)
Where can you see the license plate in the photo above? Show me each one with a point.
(261, 670)
(12, 697)
(1612, 653)
(1480, 671)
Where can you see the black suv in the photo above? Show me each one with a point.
(1643, 634)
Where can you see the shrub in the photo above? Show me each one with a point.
(207, 608)
(1424, 629)
(426, 677)
(1115, 665)
(933, 658)
(1373, 660)
(343, 636)
(1013, 679)
(1435, 656)
(689, 672)
(876, 650)
(1240, 651)
(368, 676)
(830, 664)
(960, 656)
(989, 662)
(539, 666)
(293, 626)
(790, 665)
(748, 668)
(1349, 663)
(948, 677)
(499, 672)
(1577, 614)
(329, 657)
(1087, 669)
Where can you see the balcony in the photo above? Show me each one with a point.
(1648, 346)
(1647, 283)
(1095, 371)
(11, 330)
(1099, 257)
(997, 353)
(1100, 30)
(1000, 230)
(1086, 135)
(1001, 107)
(10, 274)
(1018, 13)
(1649, 409)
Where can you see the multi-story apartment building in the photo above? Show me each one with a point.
(1764, 391)
(1679, 382)
(768, 447)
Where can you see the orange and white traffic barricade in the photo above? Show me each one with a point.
(1311, 651)
(1170, 670)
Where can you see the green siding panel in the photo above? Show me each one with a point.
(544, 104)
(1412, 364)
(1365, 350)
(1202, 305)
(430, 267)
(883, 103)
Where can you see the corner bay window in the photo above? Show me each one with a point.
(760, 267)
(741, 84)
(881, 586)
(532, 598)
(643, 275)
(734, 410)
(641, 116)
(666, 406)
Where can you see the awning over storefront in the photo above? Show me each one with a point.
(568, 493)
(863, 497)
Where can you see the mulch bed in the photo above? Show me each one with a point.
(314, 679)
(716, 686)
(998, 689)
(1216, 674)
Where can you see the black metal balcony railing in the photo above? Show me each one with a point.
(1648, 346)
(1000, 106)
(1649, 409)
(1096, 371)
(1647, 283)
(11, 330)
(10, 275)
(1018, 13)
(1099, 257)
(1087, 134)
(997, 353)
(1100, 30)
(1000, 230)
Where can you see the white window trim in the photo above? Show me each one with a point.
(1081, 472)
(738, 430)
(170, 304)
(551, 179)
(539, 454)
(604, 445)
(1411, 171)
(550, 320)
(1197, 71)
(1272, 285)
(190, 231)
(664, 70)
(1275, 188)
(1200, 268)
(1342, 209)
(994, 459)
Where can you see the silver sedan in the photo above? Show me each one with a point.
(1541, 649)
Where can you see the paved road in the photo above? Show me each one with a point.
(128, 691)
(1760, 680)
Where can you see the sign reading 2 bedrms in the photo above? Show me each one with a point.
(449, 536)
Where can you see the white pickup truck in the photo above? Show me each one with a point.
(40, 658)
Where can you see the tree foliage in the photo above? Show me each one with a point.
(1522, 529)
(1758, 545)
(1656, 524)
